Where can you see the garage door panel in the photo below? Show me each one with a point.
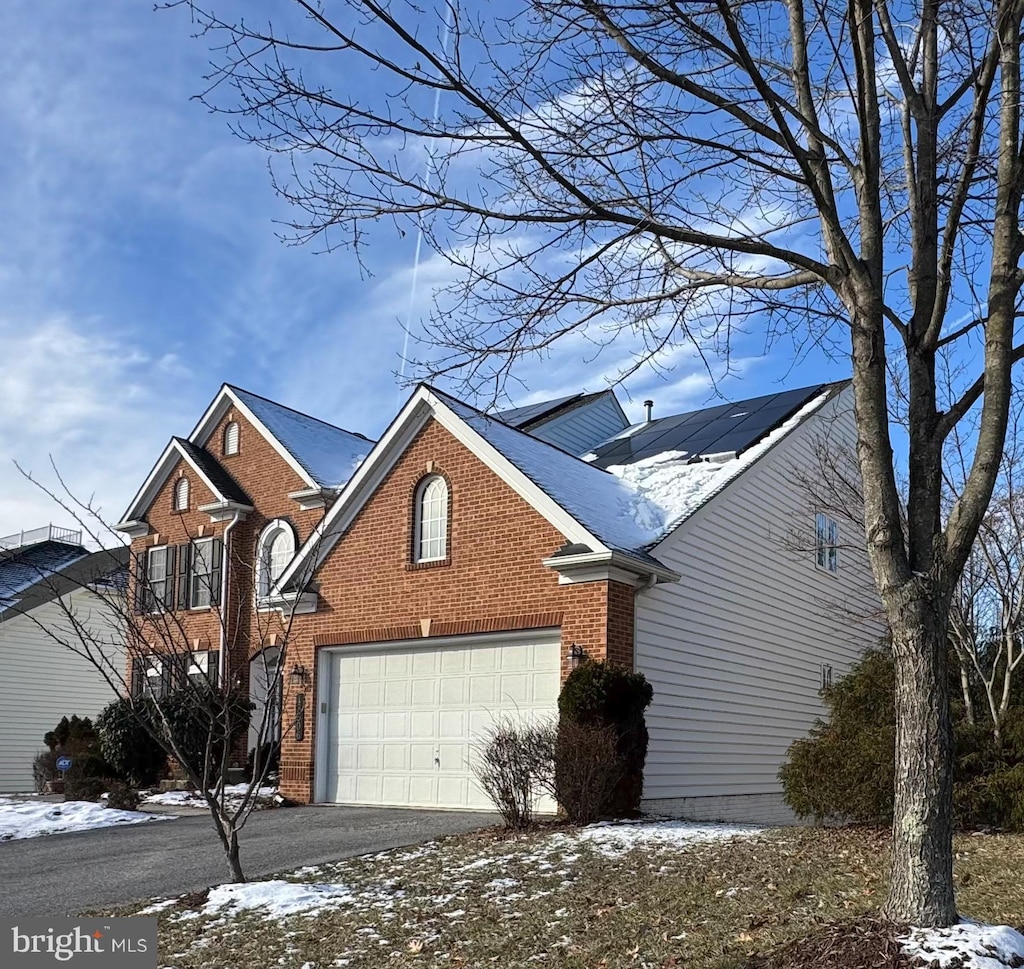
(404, 723)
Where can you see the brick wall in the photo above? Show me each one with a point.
(492, 580)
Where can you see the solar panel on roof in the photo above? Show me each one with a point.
(714, 430)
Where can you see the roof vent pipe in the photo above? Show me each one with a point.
(649, 405)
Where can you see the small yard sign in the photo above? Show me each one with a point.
(64, 764)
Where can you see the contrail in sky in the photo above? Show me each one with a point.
(419, 228)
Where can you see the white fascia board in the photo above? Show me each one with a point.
(173, 453)
(360, 487)
(421, 406)
(613, 565)
(309, 498)
(133, 528)
(535, 496)
(220, 406)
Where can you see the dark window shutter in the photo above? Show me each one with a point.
(138, 678)
(216, 564)
(170, 584)
(184, 562)
(140, 583)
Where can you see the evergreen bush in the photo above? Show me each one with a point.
(128, 745)
(598, 694)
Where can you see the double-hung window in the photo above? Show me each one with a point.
(157, 579)
(203, 575)
(826, 542)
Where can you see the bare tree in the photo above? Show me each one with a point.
(193, 703)
(656, 174)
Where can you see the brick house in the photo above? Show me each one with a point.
(459, 567)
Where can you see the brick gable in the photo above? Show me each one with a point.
(493, 580)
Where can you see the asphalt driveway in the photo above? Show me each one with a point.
(65, 873)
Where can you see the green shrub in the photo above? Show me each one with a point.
(603, 695)
(128, 745)
(72, 736)
(201, 717)
(844, 771)
(84, 788)
(122, 797)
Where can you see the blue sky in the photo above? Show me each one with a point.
(139, 269)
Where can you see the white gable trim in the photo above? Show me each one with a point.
(173, 453)
(222, 403)
(421, 407)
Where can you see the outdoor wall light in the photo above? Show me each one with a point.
(297, 677)
(577, 654)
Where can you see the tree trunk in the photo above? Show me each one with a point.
(228, 834)
(922, 870)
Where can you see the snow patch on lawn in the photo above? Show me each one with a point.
(32, 819)
(615, 838)
(279, 899)
(969, 945)
(233, 795)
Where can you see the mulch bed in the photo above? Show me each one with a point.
(867, 943)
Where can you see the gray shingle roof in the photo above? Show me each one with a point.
(329, 454)
(212, 468)
(21, 568)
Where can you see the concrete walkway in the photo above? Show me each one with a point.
(65, 873)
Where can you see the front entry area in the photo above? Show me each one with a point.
(400, 722)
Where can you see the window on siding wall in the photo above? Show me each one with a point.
(231, 439)
(431, 542)
(274, 552)
(826, 535)
(181, 495)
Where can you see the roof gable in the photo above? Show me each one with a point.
(321, 454)
(221, 485)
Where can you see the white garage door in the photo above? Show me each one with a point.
(399, 723)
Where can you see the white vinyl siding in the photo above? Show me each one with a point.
(403, 722)
(43, 681)
(734, 650)
(582, 428)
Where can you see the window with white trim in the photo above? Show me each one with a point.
(826, 542)
(431, 533)
(274, 552)
(181, 495)
(157, 580)
(231, 439)
(202, 665)
(155, 679)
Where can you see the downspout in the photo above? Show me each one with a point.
(222, 659)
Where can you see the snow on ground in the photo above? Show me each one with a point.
(552, 855)
(278, 899)
(967, 946)
(31, 819)
(233, 796)
(614, 839)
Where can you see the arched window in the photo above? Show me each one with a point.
(230, 439)
(181, 495)
(275, 550)
(431, 542)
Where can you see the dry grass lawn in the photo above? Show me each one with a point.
(552, 898)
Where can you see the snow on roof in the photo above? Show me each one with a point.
(677, 489)
(329, 454)
(605, 505)
(22, 568)
(629, 507)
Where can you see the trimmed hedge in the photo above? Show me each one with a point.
(602, 695)
(128, 745)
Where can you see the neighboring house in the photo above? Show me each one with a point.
(460, 566)
(49, 582)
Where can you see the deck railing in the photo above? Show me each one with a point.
(48, 533)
